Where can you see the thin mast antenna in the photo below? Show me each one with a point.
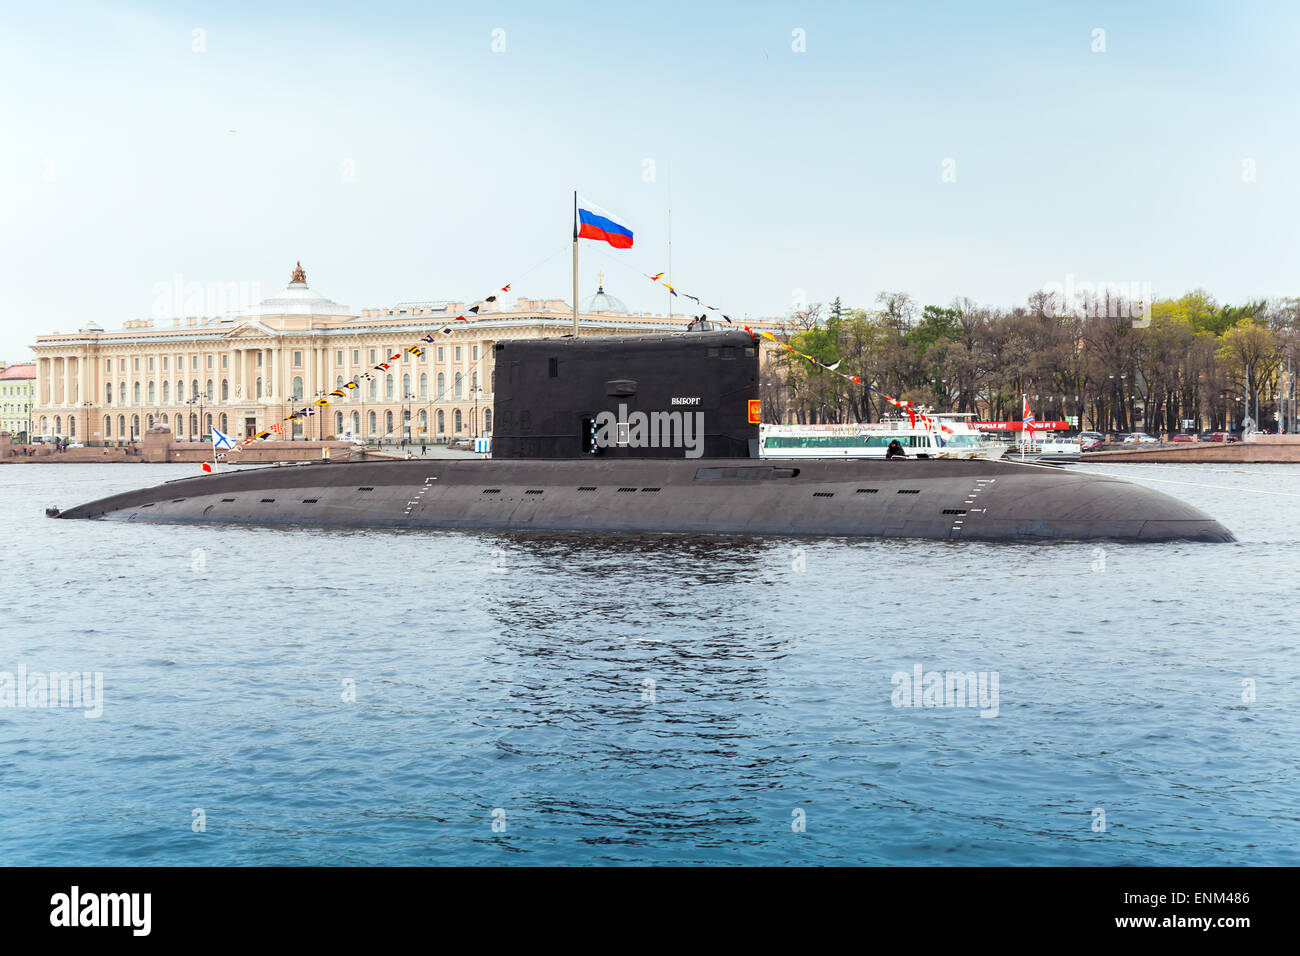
(671, 277)
(575, 263)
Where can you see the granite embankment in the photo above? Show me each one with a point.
(157, 446)
(1258, 450)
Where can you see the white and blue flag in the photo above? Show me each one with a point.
(220, 440)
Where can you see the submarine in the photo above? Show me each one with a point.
(659, 433)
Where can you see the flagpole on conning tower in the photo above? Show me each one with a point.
(671, 276)
(575, 263)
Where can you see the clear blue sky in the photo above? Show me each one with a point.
(818, 171)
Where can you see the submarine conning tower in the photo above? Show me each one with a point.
(688, 394)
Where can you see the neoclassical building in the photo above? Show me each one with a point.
(245, 372)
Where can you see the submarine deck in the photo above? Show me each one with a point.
(930, 498)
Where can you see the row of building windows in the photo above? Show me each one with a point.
(180, 362)
(152, 394)
(117, 428)
(419, 423)
(373, 358)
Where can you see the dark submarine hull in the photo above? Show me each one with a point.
(943, 498)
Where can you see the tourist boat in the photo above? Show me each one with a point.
(872, 439)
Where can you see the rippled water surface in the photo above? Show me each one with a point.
(651, 698)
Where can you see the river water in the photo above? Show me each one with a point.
(300, 696)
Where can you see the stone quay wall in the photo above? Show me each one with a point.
(1257, 450)
(157, 446)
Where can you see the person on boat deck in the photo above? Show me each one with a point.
(895, 450)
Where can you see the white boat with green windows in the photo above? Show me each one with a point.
(872, 439)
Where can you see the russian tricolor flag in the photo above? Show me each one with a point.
(596, 223)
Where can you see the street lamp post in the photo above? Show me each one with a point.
(428, 414)
(363, 428)
(196, 400)
(474, 390)
(320, 416)
(407, 397)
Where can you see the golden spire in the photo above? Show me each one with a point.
(298, 274)
(600, 282)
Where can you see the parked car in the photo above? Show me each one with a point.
(1092, 444)
(1091, 436)
(1182, 438)
(1217, 436)
(1140, 438)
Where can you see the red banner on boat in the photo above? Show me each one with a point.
(1021, 426)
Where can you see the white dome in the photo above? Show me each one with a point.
(602, 301)
(297, 299)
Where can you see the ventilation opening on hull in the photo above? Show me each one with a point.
(177, 501)
(909, 491)
(491, 491)
(823, 494)
(310, 501)
(866, 491)
(227, 500)
(954, 511)
(749, 473)
(534, 491)
(627, 489)
(369, 488)
(587, 488)
(267, 501)
(651, 490)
